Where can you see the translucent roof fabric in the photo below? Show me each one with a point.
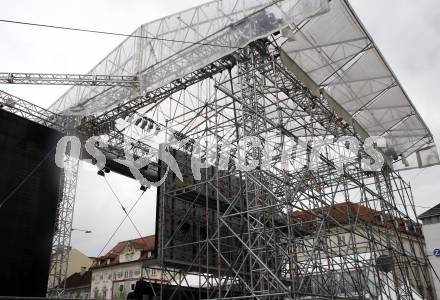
(169, 48)
(329, 44)
(339, 56)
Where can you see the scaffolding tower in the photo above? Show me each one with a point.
(282, 220)
(279, 232)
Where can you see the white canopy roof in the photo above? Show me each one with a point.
(339, 56)
(331, 47)
(169, 48)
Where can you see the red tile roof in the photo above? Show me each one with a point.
(346, 212)
(432, 212)
(78, 280)
(340, 212)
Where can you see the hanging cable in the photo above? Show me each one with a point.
(120, 224)
(125, 211)
(111, 33)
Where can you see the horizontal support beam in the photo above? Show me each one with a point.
(68, 79)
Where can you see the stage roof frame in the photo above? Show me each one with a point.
(341, 60)
(330, 48)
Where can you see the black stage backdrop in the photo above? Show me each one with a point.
(27, 219)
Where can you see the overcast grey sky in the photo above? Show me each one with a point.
(406, 31)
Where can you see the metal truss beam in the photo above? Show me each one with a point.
(63, 228)
(157, 95)
(278, 231)
(68, 79)
(29, 111)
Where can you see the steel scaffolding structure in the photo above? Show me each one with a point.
(276, 252)
(300, 235)
(301, 222)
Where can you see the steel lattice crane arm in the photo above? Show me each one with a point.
(29, 111)
(68, 79)
(159, 94)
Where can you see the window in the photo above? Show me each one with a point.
(114, 275)
(426, 221)
(380, 219)
(126, 274)
(153, 272)
(410, 227)
(130, 274)
(341, 240)
(137, 272)
(417, 271)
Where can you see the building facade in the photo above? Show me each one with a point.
(78, 285)
(78, 261)
(341, 246)
(78, 264)
(114, 275)
(431, 231)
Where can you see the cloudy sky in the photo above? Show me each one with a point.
(407, 32)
